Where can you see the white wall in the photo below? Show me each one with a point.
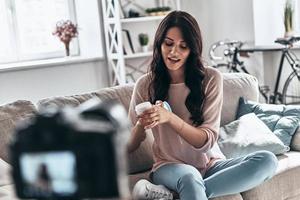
(230, 19)
(34, 84)
(219, 20)
(268, 21)
(236, 19)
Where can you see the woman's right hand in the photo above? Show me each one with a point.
(145, 119)
(154, 116)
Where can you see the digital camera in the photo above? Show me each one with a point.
(72, 153)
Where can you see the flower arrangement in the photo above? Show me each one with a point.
(288, 18)
(66, 30)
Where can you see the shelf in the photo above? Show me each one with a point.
(141, 19)
(117, 61)
(138, 55)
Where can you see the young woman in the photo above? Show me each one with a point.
(183, 136)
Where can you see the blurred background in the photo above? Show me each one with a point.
(33, 60)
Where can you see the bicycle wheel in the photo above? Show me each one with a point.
(291, 89)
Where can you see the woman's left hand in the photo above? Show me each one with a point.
(159, 115)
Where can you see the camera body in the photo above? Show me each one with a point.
(72, 153)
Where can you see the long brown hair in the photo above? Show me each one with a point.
(194, 71)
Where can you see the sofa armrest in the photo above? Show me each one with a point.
(295, 144)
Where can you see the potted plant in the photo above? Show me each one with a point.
(158, 11)
(289, 18)
(144, 40)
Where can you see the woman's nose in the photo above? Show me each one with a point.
(174, 50)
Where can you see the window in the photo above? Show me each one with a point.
(6, 47)
(27, 26)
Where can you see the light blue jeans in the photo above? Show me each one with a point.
(223, 178)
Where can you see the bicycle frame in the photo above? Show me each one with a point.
(231, 60)
(286, 54)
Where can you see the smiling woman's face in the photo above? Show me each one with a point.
(174, 50)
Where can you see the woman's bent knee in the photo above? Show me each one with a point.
(268, 163)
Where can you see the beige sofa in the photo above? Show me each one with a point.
(285, 185)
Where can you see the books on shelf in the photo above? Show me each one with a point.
(127, 43)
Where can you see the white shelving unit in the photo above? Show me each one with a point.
(141, 19)
(138, 55)
(113, 26)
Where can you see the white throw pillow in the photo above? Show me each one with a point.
(215, 152)
(246, 135)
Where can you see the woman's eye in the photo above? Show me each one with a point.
(183, 46)
(168, 43)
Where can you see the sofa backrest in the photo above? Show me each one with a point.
(121, 93)
(10, 115)
(236, 85)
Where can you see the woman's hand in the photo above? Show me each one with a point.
(154, 116)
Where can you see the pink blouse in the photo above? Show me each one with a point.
(168, 146)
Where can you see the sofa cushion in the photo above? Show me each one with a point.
(282, 120)
(246, 135)
(121, 93)
(4, 173)
(141, 159)
(229, 197)
(7, 193)
(295, 145)
(234, 86)
(10, 115)
(133, 178)
(284, 185)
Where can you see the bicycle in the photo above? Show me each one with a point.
(232, 51)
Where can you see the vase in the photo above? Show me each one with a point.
(67, 48)
(289, 34)
(145, 48)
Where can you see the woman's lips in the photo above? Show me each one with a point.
(173, 60)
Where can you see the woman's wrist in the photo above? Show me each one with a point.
(176, 123)
(170, 114)
(140, 131)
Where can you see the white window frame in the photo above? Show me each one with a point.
(87, 46)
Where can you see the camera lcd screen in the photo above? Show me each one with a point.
(48, 173)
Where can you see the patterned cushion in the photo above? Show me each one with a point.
(282, 120)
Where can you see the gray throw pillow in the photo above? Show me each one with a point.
(282, 120)
(246, 135)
